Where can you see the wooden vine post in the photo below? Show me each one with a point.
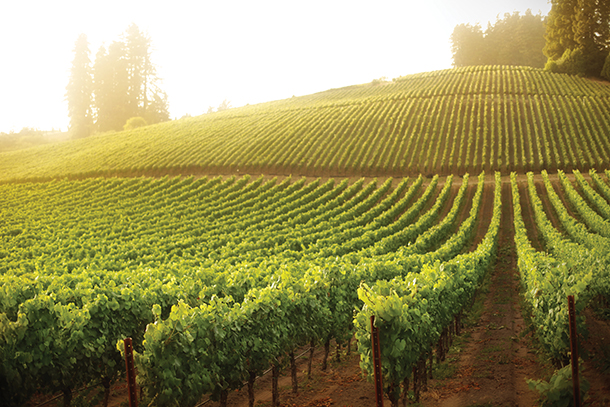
(574, 350)
(131, 373)
(376, 348)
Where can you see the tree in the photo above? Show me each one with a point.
(467, 45)
(134, 123)
(516, 40)
(146, 98)
(78, 90)
(559, 34)
(111, 87)
(125, 83)
(513, 40)
(578, 36)
(589, 35)
(157, 110)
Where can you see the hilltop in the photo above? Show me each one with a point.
(444, 122)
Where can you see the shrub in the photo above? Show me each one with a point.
(134, 123)
(571, 62)
(558, 391)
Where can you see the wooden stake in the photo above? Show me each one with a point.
(275, 394)
(574, 350)
(376, 350)
(293, 373)
(131, 373)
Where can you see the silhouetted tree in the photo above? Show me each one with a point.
(606, 69)
(111, 87)
(125, 83)
(467, 45)
(78, 90)
(514, 40)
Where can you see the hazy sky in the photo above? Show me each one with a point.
(243, 51)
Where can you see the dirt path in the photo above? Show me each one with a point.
(494, 357)
(341, 384)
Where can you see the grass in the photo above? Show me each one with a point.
(445, 370)
(494, 348)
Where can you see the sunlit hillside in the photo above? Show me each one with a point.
(215, 278)
(444, 122)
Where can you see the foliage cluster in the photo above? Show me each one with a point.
(575, 265)
(121, 84)
(578, 36)
(559, 390)
(134, 123)
(514, 40)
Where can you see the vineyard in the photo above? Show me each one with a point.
(446, 122)
(219, 276)
(195, 269)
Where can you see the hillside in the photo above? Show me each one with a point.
(445, 122)
(217, 278)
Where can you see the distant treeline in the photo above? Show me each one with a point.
(27, 137)
(514, 40)
(121, 84)
(574, 38)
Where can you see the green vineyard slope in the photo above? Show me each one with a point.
(492, 118)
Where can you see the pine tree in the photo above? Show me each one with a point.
(578, 36)
(102, 86)
(111, 87)
(78, 90)
(606, 69)
(588, 36)
(126, 84)
(513, 40)
(139, 69)
(560, 28)
(467, 45)
(516, 40)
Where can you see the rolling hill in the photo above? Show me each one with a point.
(455, 121)
(217, 277)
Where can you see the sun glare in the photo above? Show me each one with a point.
(245, 52)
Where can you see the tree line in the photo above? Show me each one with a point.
(574, 38)
(514, 40)
(120, 85)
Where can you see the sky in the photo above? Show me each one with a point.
(244, 51)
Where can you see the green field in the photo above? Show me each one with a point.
(445, 122)
(156, 233)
